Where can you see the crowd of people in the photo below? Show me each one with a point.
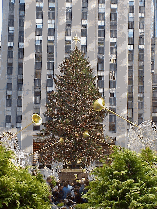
(68, 193)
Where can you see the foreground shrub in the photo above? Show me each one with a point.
(18, 188)
(127, 180)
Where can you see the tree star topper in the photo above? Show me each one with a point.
(76, 39)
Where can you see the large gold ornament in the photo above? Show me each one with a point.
(36, 119)
(86, 134)
(99, 104)
(61, 140)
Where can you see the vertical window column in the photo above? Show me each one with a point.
(38, 56)
(130, 61)
(9, 63)
(113, 64)
(84, 27)
(141, 62)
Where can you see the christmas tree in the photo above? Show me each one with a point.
(73, 131)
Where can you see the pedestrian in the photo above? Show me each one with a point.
(66, 190)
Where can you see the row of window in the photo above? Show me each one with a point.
(18, 118)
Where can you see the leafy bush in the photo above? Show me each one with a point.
(18, 188)
(127, 180)
(82, 206)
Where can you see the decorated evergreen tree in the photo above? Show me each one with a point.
(73, 131)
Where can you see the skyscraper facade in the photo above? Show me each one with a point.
(117, 36)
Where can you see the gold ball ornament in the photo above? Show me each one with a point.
(61, 140)
(86, 134)
(36, 119)
(99, 104)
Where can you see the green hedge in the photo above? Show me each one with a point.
(18, 188)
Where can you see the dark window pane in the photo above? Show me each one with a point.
(67, 48)
(8, 102)
(21, 22)
(10, 54)
(101, 33)
(19, 102)
(50, 49)
(9, 70)
(39, 15)
(19, 87)
(36, 128)
(9, 86)
(51, 31)
(8, 118)
(38, 31)
(10, 38)
(38, 65)
(18, 118)
(11, 22)
(51, 15)
(22, 7)
(50, 65)
(49, 82)
(37, 82)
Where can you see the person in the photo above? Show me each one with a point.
(48, 181)
(77, 197)
(66, 190)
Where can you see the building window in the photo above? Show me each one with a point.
(101, 1)
(113, 16)
(37, 83)
(19, 102)
(38, 48)
(38, 74)
(112, 101)
(141, 9)
(84, 49)
(21, 53)
(84, 32)
(8, 118)
(9, 86)
(38, 65)
(49, 82)
(141, 40)
(10, 38)
(101, 33)
(10, 54)
(101, 16)
(131, 9)
(67, 48)
(22, 7)
(112, 127)
(39, 15)
(38, 32)
(50, 49)
(51, 31)
(36, 128)
(18, 118)
(68, 14)
(51, 15)
(130, 25)
(21, 36)
(8, 102)
(50, 65)
(113, 33)
(19, 86)
(21, 22)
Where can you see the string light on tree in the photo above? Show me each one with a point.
(71, 114)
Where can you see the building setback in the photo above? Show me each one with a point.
(117, 36)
